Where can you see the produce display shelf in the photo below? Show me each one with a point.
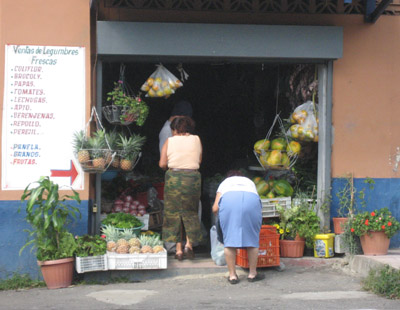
(269, 206)
(268, 252)
(91, 263)
(137, 261)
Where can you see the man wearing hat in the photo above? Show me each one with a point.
(182, 108)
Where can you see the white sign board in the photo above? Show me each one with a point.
(44, 104)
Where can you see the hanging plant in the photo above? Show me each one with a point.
(134, 109)
(126, 107)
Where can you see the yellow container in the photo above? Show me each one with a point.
(323, 245)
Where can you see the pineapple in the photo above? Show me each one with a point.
(134, 242)
(98, 144)
(147, 244)
(122, 242)
(130, 148)
(157, 245)
(134, 250)
(80, 144)
(127, 234)
(123, 249)
(112, 235)
(112, 139)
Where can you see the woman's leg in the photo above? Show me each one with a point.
(230, 257)
(252, 254)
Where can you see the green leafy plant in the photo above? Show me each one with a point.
(88, 245)
(134, 106)
(122, 220)
(377, 220)
(383, 281)
(49, 215)
(299, 220)
(20, 281)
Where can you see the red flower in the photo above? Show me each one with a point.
(389, 223)
(103, 236)
(352, 229)
(372, 213)
(366, 222)
(383, 226)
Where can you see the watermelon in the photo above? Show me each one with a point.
(262, 188)
(283, 188)
(271, 195)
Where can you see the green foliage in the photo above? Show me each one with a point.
(20, 281)
(88, 245)
(377, 220)
(122, 220)
(299, 219)
(119, 96)
(48, 215)
(348, 202)
(384, 281)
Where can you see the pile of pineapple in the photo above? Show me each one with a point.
(102, 149)
(126, 242)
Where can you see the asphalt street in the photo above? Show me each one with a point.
(330, 286)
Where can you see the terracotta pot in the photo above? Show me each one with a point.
(57, 273)
(376, 243)
(291, 248)
(338, 224)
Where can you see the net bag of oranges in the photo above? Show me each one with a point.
(161, 84)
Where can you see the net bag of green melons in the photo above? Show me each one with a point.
(304, 122)
(161, 84)
(276, 152)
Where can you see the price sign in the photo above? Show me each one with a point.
(44, 104)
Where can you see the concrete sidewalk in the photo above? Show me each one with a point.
(203, 264)
(361, 264)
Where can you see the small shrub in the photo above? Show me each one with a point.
(384, 281)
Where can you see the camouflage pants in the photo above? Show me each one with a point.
(182, 191)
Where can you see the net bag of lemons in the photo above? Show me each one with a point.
(304, 122)
(277, 153)
(161, 84)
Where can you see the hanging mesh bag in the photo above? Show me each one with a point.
(276, 153)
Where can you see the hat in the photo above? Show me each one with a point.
(183, 108)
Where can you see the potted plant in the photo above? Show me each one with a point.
(49, 215)
(131, 108)
(90, 253)
(348, 202)
(297, 227)
(375, 230)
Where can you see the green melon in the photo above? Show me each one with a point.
(262, 188)
(283, 188)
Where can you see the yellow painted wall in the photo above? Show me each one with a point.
(45, 22)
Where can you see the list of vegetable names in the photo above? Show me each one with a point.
(44, 104)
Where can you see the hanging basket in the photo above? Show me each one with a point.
(118, 115)
(276, 159)
(95, 160)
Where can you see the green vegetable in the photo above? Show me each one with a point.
(122, 220)
(90, 246)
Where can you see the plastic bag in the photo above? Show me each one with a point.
(217, 248)
(304, 122)
(161, 83)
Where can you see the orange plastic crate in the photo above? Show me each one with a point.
(268, 252)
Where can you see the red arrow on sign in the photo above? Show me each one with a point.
(72, 173)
